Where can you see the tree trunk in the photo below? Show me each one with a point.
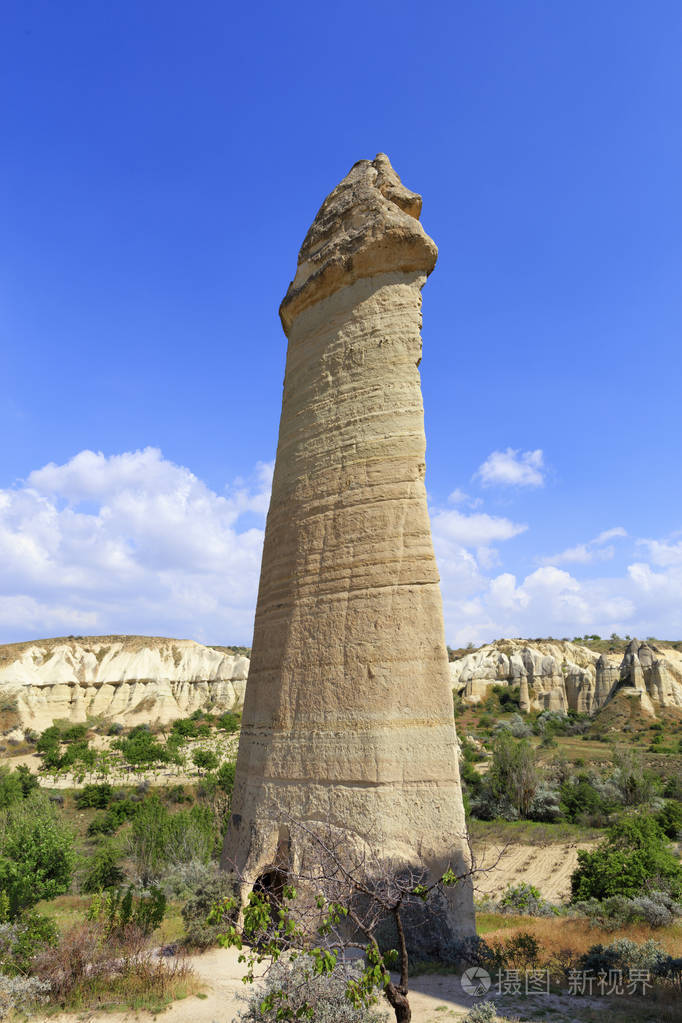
(399, 1003)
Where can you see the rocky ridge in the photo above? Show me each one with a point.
(562, 676)
(131, 679)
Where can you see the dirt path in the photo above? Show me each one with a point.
(434, 999)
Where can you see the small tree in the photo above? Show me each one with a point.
(513, 774)
(205, 759)
(36, 853)
(344, 902)
(635, 854)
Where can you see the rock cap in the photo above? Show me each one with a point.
(368, 225)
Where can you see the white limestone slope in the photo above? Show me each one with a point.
(131, 679)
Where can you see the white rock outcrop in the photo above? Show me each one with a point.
(555, 675)
(131, 679)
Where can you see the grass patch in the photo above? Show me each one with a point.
(530, 832)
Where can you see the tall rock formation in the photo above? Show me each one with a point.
(348, 718)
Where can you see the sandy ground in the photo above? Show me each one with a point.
(433, 998)
(548, 867)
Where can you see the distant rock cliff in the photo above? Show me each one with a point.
(131, 679)
(567, 676)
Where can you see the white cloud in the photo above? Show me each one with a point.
(664, 553)
(512, 468)
(130, 543)
(474, 530)
(459, 497)
(586, 553)
(136, 543)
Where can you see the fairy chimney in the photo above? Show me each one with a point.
(348, 717)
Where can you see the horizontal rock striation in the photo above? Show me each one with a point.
(131, 679)
(563, 676)
(348, 715)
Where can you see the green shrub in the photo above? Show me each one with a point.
(229, 722)
(209, 890)
(141, 749)
(22, 939)
(97, 796)
(296, 989)
(10, 787)
(36, 853)
(205, 759)
(670, 819)
(582, 802)
(525, 899)
(103, 870)
(159, 838)
(635, 854)
(109, 822)
(117, 909)
(482, 1012)
(512, 775)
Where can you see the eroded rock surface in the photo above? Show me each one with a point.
(348, 717)
(567, 676)
(132, 679)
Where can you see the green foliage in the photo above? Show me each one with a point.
(301, 990)
(482, 1012)
(22, 939)
(141, 749)
(97, 796)
(508, 697)
(525, 899)
(670, 819)
(205, 759)
(635, 854)
(229, 722)
(11, 790)
(107, 823)
(77, 751)
(119, 908)
(36, 853)
(213, 888)
(160, 838)
(582, 801)
(513, 775)
(104, 869)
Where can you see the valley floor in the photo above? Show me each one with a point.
(434, 998)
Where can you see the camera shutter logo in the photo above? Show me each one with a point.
(475, 981)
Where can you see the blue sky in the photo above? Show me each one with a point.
(161, 165)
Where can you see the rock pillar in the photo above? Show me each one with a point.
(348, 718)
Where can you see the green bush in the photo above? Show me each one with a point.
(36, 853)
(513, 776)
(141, 749)
(582, 802)
(205, 759)
(117, 909)
(103, 870)
(97, 796)
(22, 939)
(109, 822)
(229, 722)
(296, 989)
(10, 787)
(670, 819)
(159, 838)
(635, 854)
(209, 890)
